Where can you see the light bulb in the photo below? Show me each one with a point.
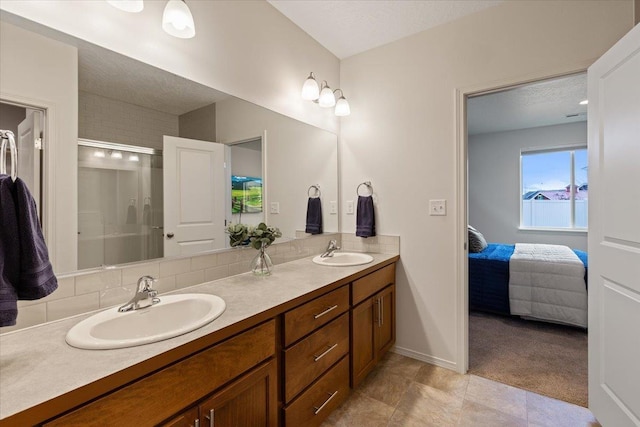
(133, 6)
(310, 90)
(98, 153)
(116, 155)
(342, 107)
(177, 20)
(134, 158)
(327, 98)
(585, 102)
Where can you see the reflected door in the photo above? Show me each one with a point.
(194, 196)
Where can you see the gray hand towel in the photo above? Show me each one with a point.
(365, 217)
(314, 216)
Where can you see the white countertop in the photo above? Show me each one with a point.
(37, 365)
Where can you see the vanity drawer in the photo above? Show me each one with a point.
(306, 318)
(308, 359)
(318, 401)
(363, 288)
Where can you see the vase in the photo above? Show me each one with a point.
(261, 264)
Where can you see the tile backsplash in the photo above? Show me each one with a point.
(95, 289)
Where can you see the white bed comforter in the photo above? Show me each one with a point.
(546, 282)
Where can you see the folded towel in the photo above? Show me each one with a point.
(132, 214)
(25, 270)
(314, 216)
(365, 217)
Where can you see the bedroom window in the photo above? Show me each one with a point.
(554, 189)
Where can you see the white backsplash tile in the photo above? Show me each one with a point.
(133, 273)
(66, 307)
(28, 316)
(189, 279)
(93, 282)
(174, 266)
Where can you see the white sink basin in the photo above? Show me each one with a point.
(344, 259)
(174, 315)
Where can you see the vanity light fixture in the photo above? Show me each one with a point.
(177, 20)
(134, 158)
(133, 6)
(324, 96)
(116, 155)
(99, 153)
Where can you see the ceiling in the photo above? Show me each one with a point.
(543, 103)
(347, 28)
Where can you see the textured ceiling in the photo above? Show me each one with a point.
(350, 27)
(106, 73)
(538, 104)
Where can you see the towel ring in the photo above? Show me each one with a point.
(7, 137)
(317, 188)
(366, 184)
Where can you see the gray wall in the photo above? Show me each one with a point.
(494, 183)
(199, 124)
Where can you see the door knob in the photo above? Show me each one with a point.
(169, 235)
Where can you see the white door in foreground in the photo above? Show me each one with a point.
(194, 196)
(614, 234)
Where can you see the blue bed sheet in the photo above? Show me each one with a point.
(489, 277)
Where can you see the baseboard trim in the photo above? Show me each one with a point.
(425, 358)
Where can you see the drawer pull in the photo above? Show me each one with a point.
(318, 409)
(325, 312)
(381, 310)
(211, 417)
(324, 353)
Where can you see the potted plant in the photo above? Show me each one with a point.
(261, 237)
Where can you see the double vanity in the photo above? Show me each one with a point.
(285, 350)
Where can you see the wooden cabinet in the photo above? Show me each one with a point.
(372, 321)
(188, 418)
(160, 396)
(315, 358)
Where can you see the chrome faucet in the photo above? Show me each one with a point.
(145, 295)
(330, 249)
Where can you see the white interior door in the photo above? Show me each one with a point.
(194, 196)
(614, 234)
(29, 146)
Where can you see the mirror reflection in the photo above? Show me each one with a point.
(258, 164)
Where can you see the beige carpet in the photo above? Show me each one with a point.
(540, 357)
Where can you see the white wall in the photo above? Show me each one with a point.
(53, 86)
(401, 135)
(494, 182)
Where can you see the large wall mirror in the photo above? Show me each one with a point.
(158, 154)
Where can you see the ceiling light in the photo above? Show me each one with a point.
(585, 102)
(177, 20)
(116, 155)
(342, 106)
(310, 89)
(133, 6)
(134, 158)
(99, 153)
(327, 98)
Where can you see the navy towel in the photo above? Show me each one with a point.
(365, 217)
(314, 216)
(25, 270)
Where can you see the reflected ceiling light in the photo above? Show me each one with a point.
(324, 96)
(177, 20)
(99, 153)
(134, 158)
(585, 102)
(133, 6)
(116, 155)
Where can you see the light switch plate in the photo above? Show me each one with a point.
(438, 207)
(349, 207)
(333, 207)
(274, 208)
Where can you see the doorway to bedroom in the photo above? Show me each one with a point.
(527, 196)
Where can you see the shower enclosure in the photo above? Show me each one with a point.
(120, 216)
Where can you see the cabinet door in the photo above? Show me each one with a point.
(250, 401)
(385, 327)
(363, 350)
(188, 418)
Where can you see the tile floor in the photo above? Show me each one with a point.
(406, 392)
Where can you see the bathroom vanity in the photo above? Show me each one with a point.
(285, 352)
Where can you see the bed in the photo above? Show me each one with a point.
(489, 286)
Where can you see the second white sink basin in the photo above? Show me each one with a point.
(174, 315)
(344, 259)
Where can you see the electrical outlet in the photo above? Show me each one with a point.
(349, 207)
(437, 207)
(333, 207)
(274, 208)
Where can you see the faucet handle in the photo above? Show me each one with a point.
(145, 283)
